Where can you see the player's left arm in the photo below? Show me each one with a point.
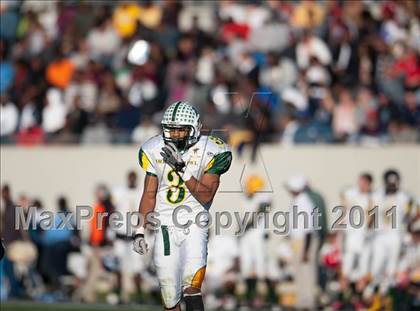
(205, 189)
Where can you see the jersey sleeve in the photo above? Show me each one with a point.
(146, 161)
(222, 158)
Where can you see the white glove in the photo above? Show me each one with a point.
(139, 244)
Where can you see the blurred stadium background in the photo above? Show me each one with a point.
(305, 92)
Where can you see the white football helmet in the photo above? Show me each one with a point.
(181, 115)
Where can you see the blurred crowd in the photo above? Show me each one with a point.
(258, 71)
(372, 265)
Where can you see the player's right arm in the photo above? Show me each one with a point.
(148, 198)
(147, 205)
(147, 163)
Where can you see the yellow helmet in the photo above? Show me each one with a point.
(253, 184)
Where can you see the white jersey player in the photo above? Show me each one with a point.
(183, 172)
(357, 201)
(252, 246)
(389, 226)
(303, 240)
(126, 200)
(409, 265)
(222, 261)
(251, 243)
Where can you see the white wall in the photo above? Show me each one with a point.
(47, 172)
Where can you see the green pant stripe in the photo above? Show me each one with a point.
(166, 245)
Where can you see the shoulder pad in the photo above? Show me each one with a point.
(215, 144)
(221, 156)
(145, 157)
(152, 143)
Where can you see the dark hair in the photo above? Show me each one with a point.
(62, 204)
(391, 172)
(367, 176)
(37, 203)
(6, 188)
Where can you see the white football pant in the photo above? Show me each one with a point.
(180, 257)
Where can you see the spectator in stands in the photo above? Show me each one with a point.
(144, 131)
(109, 99)
(307, 15)
(9, 117)
(325, 50)
(309, 47)
(125, 18)
(60, 70)
(411, 108)
(77, 119)
(7, 71)
(103, 41)
(54, 113)
(344, 117)
(126, 120)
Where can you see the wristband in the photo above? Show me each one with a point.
(187, 174)
(139, 232)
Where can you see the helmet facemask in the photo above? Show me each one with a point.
(182, 143)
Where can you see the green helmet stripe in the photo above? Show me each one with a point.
(175, 110)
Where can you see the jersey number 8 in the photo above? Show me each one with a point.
(176, 192)
(217, 140)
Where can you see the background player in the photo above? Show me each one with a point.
(355, 253)
(304, 241)
(393, 212)
(252, 243)
(126, 200)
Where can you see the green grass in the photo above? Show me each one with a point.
(64, 306)
(39, 306)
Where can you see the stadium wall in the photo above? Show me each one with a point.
(47, 172)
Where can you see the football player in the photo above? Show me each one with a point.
(303, 240)
(357, 200)
(183, 171)
(222, 271)
(394, 210)
(252, 243)
(126, 200)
